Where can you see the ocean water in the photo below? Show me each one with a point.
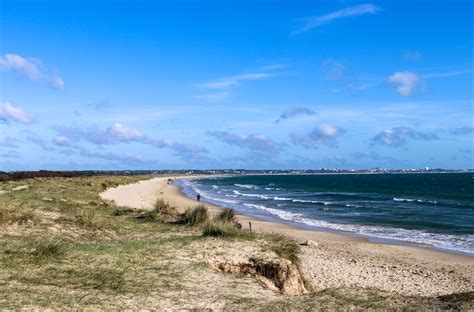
(435, 210)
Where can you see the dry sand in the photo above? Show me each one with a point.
(337, 260)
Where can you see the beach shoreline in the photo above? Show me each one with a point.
(303, 226)
(335, 259)
(176, 196)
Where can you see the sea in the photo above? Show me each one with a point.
(428, 209)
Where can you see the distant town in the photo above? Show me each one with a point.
(19, 175)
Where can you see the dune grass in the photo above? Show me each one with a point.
(226, 215)
(163, 211)
(224, 229)
(195, 216)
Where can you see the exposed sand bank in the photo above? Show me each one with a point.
(338, 260)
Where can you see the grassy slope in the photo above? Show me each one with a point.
(61, 247)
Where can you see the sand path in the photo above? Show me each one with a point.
(338, 260)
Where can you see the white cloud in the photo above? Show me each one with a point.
(8, 112)
(315, 21)
(123, 133)
(30, 68)
(118, 133)
(61, 140)
(323, 134)
(57, 82)
(404, 82)
(397, 136)
(254, 142)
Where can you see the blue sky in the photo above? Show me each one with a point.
(235, 84)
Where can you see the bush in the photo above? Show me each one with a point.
(226, 215)
(217, 228)
(196, 215)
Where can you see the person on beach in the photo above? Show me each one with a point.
(198, 197)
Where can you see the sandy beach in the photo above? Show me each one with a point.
(334, 260)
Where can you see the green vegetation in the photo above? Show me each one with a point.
(62, 247)
(195, 216)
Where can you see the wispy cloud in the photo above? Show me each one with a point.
(233, 81)
(8, 112)
(405, 82)
(295, 111)
(397, 136)
(323, 134)
(31, 68)
(447, 74)
(254, 142)
(316, 21)
(33, 138)
(412, 55)
(221, 87)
